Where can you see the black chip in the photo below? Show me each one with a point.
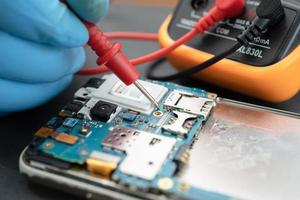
(94, 83)
(74, 106)
(103, 110)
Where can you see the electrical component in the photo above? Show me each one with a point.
(64, 138)
(35, 155)
(120, 138)
(129, 116)
(100, 167)
(114, 91)
(71, 109)
(70, 122)
(146, 152)
(94, 83)
(44, 132)
(61, 137)
(103, 110)
(102, 163)
(56, 122)
(178, 123)
(182, 157)
(105, 157)
(85, 128)
(190, 103)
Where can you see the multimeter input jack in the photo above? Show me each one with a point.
(199, 4)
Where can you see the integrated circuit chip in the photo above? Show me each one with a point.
(129, 116)
(70, 122)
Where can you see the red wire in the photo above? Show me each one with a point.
(132, 35)
(222, 9)
(140, 60)
(165, 51)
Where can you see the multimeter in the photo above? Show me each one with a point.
(268, 69)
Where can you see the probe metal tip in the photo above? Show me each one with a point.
(146, 93)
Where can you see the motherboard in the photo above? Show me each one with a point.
(111, 132)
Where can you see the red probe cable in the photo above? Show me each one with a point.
(132, 36)
(111, 55)
(116, 61)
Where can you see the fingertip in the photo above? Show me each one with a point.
(90, 10)
(37, 63)
(70, 33)
(79, 60)
(48, 22)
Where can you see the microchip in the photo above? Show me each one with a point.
(103, 110)
(129, 116)
(70, 122)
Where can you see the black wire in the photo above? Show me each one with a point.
(193, 70)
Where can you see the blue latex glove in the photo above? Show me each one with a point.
(41, 48)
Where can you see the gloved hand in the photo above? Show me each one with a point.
(41, 48)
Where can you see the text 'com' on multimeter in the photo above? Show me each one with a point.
(269, 69)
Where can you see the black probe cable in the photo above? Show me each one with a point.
(269, 13)
(193, 70)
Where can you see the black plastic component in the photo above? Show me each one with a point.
(94, 83)
(34, 154)
(199, 4)
(103, 110)
(270, 9)
(74, 106)
(266, 50)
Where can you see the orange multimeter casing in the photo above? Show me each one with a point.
(269, 69)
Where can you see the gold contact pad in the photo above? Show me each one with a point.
(64, 138)
(44, 132)
(100, 167)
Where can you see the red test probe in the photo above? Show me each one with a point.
(112, 57)
(221, 10)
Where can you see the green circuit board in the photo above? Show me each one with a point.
(111, 132)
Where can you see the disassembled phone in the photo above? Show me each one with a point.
(111, 142)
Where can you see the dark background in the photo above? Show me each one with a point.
(17, 129)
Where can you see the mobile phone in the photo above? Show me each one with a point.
(111, 142)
